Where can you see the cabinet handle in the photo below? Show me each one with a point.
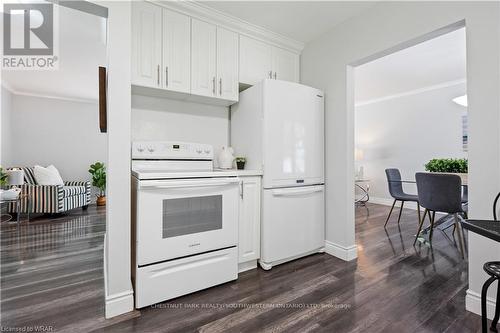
(241, 190)
(166, 76)
(213, 85)
(158, 75)
(270, 74)
(275, 75)
(220, 86)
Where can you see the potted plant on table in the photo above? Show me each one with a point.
(457, 166)
(240, 162)
(98, 172)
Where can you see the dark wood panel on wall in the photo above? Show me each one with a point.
(103, 116)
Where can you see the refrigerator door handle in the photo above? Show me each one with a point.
(297, 191)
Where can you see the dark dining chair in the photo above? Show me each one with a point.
(396, 190)
(492, 268)
(440, 193)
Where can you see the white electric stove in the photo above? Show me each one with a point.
(185, 217)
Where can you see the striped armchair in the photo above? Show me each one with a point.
(52, 199)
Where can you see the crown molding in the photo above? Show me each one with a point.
(411, 92)
(61, 98)
(207, 14)
(7, 87)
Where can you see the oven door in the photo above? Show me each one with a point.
(178, 218)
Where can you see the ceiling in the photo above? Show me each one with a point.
(434, 62)
(303, 21)
(82, 48)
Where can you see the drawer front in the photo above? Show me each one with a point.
(164, 281)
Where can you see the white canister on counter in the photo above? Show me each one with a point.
(226, 158)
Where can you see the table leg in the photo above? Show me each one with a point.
(365, 196)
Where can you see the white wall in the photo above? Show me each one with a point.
(405, 132)
(166, 119)
(48, 131)
(386, 28)
(117, 255)
(5, 128)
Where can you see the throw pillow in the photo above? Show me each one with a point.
(47, 176)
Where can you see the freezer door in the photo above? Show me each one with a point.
(293, 222)
(293, 142)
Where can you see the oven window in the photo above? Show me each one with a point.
(186, 216)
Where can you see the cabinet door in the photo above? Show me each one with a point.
(249, 222)
(203, 58)
(227, 64)
(176, 51)
(146, 44)
(255, 60)
(285, 65)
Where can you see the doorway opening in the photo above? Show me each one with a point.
(410, 115)
(52, 228)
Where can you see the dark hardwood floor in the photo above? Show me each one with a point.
(51, 275)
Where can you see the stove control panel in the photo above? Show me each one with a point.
(171, 150)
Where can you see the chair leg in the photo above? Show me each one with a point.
(484, 291)
(432, 225)
(401, 210)
(418, 212)
(421, 222)
(425, 214)
(494, 323)
(460, 235)
(394, 203)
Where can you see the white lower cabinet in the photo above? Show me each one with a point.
(249, 223)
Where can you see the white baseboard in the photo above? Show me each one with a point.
(345, 253)
(388, 202)
(473, 304)
(120, 303)
(246, 266)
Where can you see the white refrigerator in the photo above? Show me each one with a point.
(279, 127)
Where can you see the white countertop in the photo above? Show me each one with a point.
(159, 174)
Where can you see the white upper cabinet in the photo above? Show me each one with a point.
(227, 64)
(176, 71)
(146, 44)
(203, 58)
(259, 61)
(285, 65)
(188, 58)
(255, 60)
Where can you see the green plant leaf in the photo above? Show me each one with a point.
(98, 172)
(452, 165)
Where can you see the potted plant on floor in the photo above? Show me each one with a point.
(3, 178)
(457, 166)
(98, 172)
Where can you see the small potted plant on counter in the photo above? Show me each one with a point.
(98, 172)
(457, 166)
(240, 162)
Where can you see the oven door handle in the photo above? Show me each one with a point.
(189, 183)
